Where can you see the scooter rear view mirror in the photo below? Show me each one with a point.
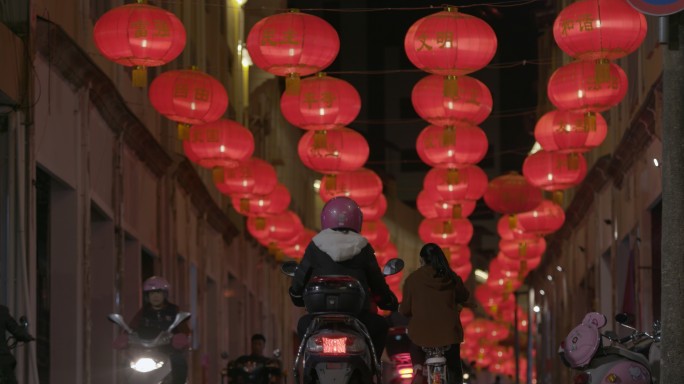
(624, 318)
(118, 320)
(393, 267)
(23, 321)
(289, 268)
(180, 317)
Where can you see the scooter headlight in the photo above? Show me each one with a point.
(145, 364)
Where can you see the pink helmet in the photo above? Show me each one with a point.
(341, 212)
(156, 283)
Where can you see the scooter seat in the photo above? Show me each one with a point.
(627, 354)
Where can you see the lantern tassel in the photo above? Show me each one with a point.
(602, 71)
(292, 84)
(183, 131)
(590, 122)
(522, 249)
(244, 205)
(573, 161)
(320, 139)
(217, 175)
(512, 221)
(557, 197)
(453, 176)
(139, 76)
(447, 227)
(451, 86)
(448, 136)
(523, 270)
(456, 211)
(330, 182)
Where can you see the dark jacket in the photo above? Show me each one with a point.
(431, 303)
(8, 324)
(148, 322)
(348, 253)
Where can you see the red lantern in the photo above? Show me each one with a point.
(280, 227)
(546, 218)
(567, 131)
(251, 177)
(509, 229)
(222, 143)
(323, 102)
(274, 202)
(456, 185)
(467, 316)
(531, 248)
(511, 193)
(376, 233)
(599, 29)
(139, 35)
(292, 44)
(587, 87)
(431, 205)
(376, 210)
(334, 151)
(462, 270)
(457, 254)
(472, 103)
(295, 248)
(386, 253)
(453, 146)
(522, 266)
(446, 232)
(188, 97)
(450, 43)
(363, 186)
(553, 171)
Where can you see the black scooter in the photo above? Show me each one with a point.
(336, 347)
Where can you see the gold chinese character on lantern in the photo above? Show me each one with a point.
(445, 39)
(567, 25)
(180, 90)
(161, 28)
(586, 23)
(289, 38)
(139, 28)
(201, 94)
(423, 40)
(327, 98)
(213, 135)
(267, 37)
(197, 136)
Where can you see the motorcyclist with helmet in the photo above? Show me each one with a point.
(340, 249)
(256, 367)
(156, 315)
(7, 361)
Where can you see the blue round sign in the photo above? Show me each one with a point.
(657, 7)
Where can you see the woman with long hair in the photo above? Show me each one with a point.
(433, 296)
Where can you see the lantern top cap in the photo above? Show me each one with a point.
(321, 74)
(293, 10)
(450, 8)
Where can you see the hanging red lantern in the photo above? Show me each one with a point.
(139, 35)
(467, 316)
(463, 270)
(431, 205)
(251, 177)
(503, 276)
(375, 232)
(457, 254)
(450, 43)
(363, 186)
(188, 97)
(522, 266)
(222, 143)
(333, 151)
(586, 87)
(472, 103)
(553, 171)
(292, 44)
(599, 29)
(376, 210)
(323, 102)
(295, 248)
(386, 253)
(271, 203)
(453, 146)
(567, 131)
(520, 249)
(510, 229)
(511, 193)
(456, 185)
(280, 227)
(545, 219)
(446, 232)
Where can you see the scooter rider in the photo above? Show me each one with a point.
(339, 249)
(157, 315)
(7, 361)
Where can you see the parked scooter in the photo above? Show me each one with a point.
(634, 359)
(336, 347)
(399, 368)
(148, 364)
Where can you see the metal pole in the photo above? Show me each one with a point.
(516, 337)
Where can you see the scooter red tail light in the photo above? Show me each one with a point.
(335, 344)
(582, 378)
